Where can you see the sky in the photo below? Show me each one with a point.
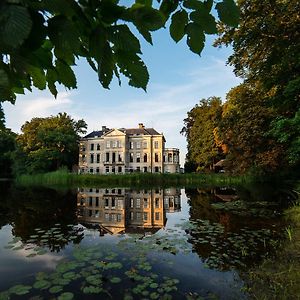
(178, 80)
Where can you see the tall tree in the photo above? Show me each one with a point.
(267, 50)
(7, 146)
(246, 119)
(47, 144)
(199, 129)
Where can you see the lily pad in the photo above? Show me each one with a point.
(66, 296)
(42, 284)
(115, 280)
(20, 289)
(56, 289)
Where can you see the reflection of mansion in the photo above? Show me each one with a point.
(127, 150)
(120, 210)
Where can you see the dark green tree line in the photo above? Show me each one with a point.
(47, 144)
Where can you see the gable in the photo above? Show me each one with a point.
(114, 132)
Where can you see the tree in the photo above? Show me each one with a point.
(40, 40)
(246, 118)
(199, 130)
(47, 144)
(7, 146)
(267, 50)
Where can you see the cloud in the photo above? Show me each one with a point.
(28, 107)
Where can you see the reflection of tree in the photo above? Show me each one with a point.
(225, 239)
(27, 209)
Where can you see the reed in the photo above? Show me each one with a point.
(65, 178)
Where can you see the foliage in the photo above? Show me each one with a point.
(7, 146)
(46, 144)
(267, 51)
(246, 118)
(41, 40)
(199, 130)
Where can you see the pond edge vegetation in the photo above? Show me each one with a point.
(65, 178)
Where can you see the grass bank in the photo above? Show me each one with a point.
(129, 180)
(279, 277)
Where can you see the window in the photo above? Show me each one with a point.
(92, 147)
(83, 158)
(156, 144)
(138, 203)
(138, 216)
(106, 202)
(131, 145)
(156, 157)
(145, 145)
(114, 144)
(91, 170)
(107, 156)
(96, 213)
(97, 201)
(97, 170)
(113, 203)
(113, 157)
(156, 169)
(119, 144)
(145, 203)
(120, 204)
(145, 216)
(169, 157)
(131, 202)
(145, 157)
(157, 216)
(90, 212)
(145, 170)
(119, 217)
(90, 201)
(131, 215)
(107, 169)
(156, 202)
(120, 169)
(119, 157)
(98, 147)
(106, 217)
(138, 145)
(138, 157)
(119, 191)
(107, 144)
(113, 169)
(98, 158)
(138, 169)
(92, 158)
(131, 157)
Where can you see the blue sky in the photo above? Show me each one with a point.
(178, 80)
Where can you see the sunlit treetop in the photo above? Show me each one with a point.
(40, 40)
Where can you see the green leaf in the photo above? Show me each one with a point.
(106, 66)
(15, 24)
(193, 4)
(51, 77)
(228, 12)
(146, 17)
(66, 74)
(134, 68)
(38, 77)
(177, 27)
(145, 2)
(205, 20)
(196, 37)
(124, 39)
(168, 6)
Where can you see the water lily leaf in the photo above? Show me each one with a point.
(41, 252)
(56, 289)
(20, 289)
(42, 284)
(115, 280)
(31, 255)
(66, 296)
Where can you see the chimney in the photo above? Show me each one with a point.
(141, 126)
(104, 128)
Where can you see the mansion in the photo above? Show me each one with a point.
(125, 150)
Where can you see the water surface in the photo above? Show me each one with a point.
(121, 243)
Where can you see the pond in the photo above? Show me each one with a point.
(91, 243)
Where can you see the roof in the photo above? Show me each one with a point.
(140, 131)
(94, 134)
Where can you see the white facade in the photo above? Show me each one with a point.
(119, 151)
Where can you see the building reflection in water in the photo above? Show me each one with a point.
(122, 210)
